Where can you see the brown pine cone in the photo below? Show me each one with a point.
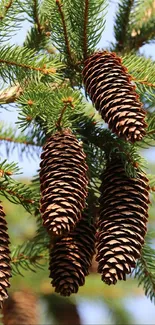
(63, 178)
(71, 257)
(122, 222)
(109, 86)
(5, 269)
(21, 309)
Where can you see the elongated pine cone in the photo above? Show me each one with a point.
(21, 309)
(122, 222)
(109, 86)
(63, 179)
(71, 257)
(5, 269)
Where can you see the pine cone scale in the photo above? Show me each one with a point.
(122, 222)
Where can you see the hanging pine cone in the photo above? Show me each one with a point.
(122, 222)
(70, 258)
(110, 89)
(63, 182)
(21, 309)
(5, 269)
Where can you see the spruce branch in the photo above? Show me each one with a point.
(144, 272)
(142, 71)
(9, 19)
(18, 63)
(8, 168)
(60, 8)
(16, 192)
(6, 8)
(85, 29)
(122, 24)
(36, 17)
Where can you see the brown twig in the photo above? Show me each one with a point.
(31, 143)
(6, 8)
(58, 2)
(150, 132)
(20, 197)
(67, 102)
(144, 82)
(85, 29)
(26, 66)
(147, 273)
(35, 11)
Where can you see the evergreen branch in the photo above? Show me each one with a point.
(20, 63)
(43, 70)
(38, 41)
(142, 72)
(17, 192)
(32, 253)
(142, 27)
(60, 6)
(85, 45)
(8, 168)
(67, 102)
(28, 143)
(109, 144)
(149, 138)
(50, 111)
(144, 271)
(6, 8)
(142, 35)
(87, 34)
(122, 24)
(36, 18)
(9, 19)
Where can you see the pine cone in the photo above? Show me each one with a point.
(110, 89)
(5, 269)
(71, 257)
(122, 222)
(63, 182)
(20, 309)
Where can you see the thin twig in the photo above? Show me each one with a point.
(31, 143)
(26, 66)
(144, 82)
(58, 2)
(85, 43)
(7, 7)
(147, 273)
(35, 11)
(19, 197)
(67, 102)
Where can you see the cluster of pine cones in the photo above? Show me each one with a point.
(118, 233)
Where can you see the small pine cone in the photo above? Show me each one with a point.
(109, 86)
(71, 257)
(5, 269)
(122, 222)
(21, 309)
(63, 179)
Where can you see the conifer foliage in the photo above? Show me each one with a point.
(47, 79)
